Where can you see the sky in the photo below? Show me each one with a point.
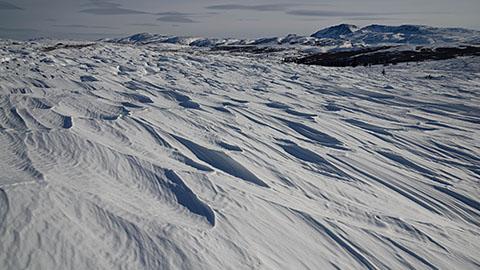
(93, 19)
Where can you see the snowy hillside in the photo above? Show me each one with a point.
(163, 156)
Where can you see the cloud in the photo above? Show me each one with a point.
(102, 4)
(174, 13)
(372, 19)
(7, 29)
(176, 19)
(101, 7)
(145, 24)
(112, 11)
(329, 13)
(7, 6)
(83, 26)
(266, 7)
(180, 17)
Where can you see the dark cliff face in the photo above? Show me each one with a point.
(384, 56)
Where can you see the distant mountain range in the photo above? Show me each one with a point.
(338, 36)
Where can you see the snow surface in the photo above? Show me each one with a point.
(165, 157)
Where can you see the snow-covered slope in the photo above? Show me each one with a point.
(164, 157)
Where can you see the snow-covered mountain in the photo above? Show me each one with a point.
(336, 32)
(171, 156)
(332, 37)
(413, 34)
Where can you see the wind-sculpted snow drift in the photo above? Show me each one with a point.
(115, 156)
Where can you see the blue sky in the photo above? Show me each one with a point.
(91, 19)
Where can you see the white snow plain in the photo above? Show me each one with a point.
(166, 157)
